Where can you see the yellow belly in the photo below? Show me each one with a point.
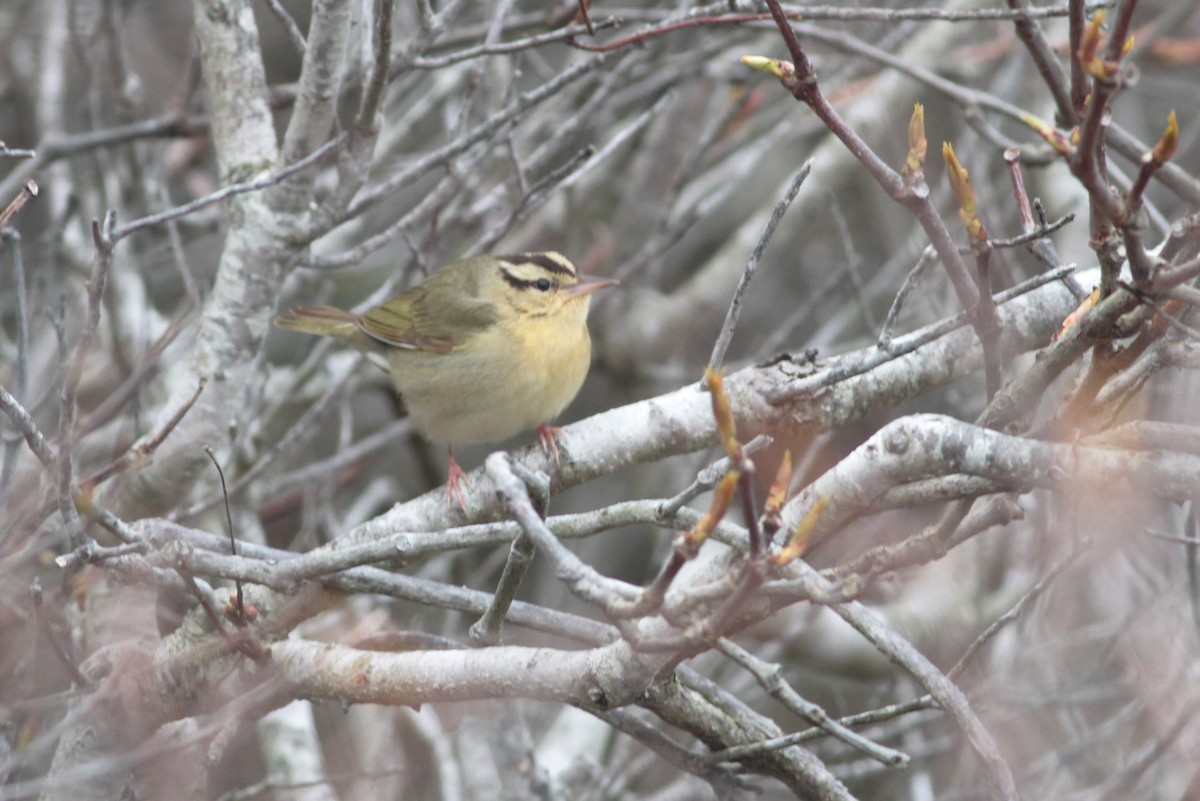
(495, 386)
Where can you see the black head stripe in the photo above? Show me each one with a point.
(513, 281)
(543, 260)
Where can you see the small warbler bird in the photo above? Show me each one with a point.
(483, 349)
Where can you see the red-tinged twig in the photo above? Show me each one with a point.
(1035, 233)
(1141, 265)
(1118, 41)
(750, 511)
(586, 16)
(1153, 160)
(1088, 160)
(799, 78)
(1012, 159)
(27, 193)
(1171, 176)
(749, 578)
(1079, 86)
(727, 433)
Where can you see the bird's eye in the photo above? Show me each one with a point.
(543, 284)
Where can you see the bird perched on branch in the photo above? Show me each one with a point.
(483, 349)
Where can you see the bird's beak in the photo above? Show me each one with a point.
(587, 285)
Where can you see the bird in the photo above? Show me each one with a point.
(483, 349)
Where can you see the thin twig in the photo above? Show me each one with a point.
(140, 453)
(18, 263)
(1015, 612)
(27, 193)
(770, 678)
(241, 599)
(73, 365)
(1171, 320)
(928, 258)
(709, 477)
(28, 428)
(57, 145)
(366, 124)
(735, 306)
(56, 644)
(501, 48)
(537, 196)
(488, 127)
(289, 26)
(1031, 236)
(282, 444)
(317, 156)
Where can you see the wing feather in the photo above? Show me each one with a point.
(436, 316)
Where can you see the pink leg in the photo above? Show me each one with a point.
(455, 478)
(546, 434)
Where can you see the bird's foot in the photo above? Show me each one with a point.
(455, 478)
(546, 435)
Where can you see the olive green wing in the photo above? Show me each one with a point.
(436, 316)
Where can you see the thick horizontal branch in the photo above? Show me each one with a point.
(602, 677)
(928, 445)
(681, 421)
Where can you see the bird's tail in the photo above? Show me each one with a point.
(323, 321)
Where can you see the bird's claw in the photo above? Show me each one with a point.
(546, 435)
(455, 478)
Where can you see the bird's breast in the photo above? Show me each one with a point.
(508, 379)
